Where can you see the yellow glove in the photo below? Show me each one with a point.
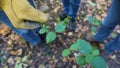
(19, 11)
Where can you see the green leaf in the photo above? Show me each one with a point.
(97, 22)
(84, 47)
(99, 62)
(43, 26)
(5, 66)
(93, 48)
(60, 27)
(114, 35)
(89, 58)
(42, 31)
(18, 65)
(94, 29)
(94, 21)
(24, 58)
(2, 59)
(73, 47)
(25, 65)
(91, 19)
(51, 36)
(80, 60)
(95, 52)
(2, 52)
(58, 19)
(65, 52)
(66, 20)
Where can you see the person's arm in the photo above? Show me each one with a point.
(20, 12)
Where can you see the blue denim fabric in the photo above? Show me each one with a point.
(108, 25)
(71, 7)
(113, 45)
(29, 35)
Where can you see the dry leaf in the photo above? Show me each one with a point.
(64, 59)
(19, 51)
(9, 42)
(72, 59)
(13, 52)
(9, 48)
(4, 30)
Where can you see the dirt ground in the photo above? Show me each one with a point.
(14, 48)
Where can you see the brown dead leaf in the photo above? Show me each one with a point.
(4, 30)
(19, 51)
(72, 59)
(17, 58)
(9, 48)
(17, 37)
(9, 42)
(64, 59)
(13, 52)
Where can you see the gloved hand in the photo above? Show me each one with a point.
(22, 14)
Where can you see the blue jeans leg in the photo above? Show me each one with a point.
(113, 45)
(74, 7)
(112, 19)
(66, 5)
(31, 2)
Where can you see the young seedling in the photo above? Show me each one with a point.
(87, 54)
(95, 23)
(59, 28)
(21, 63)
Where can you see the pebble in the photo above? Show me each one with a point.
(70, 34)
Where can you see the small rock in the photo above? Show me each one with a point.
(70, 34)
(39, 54)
